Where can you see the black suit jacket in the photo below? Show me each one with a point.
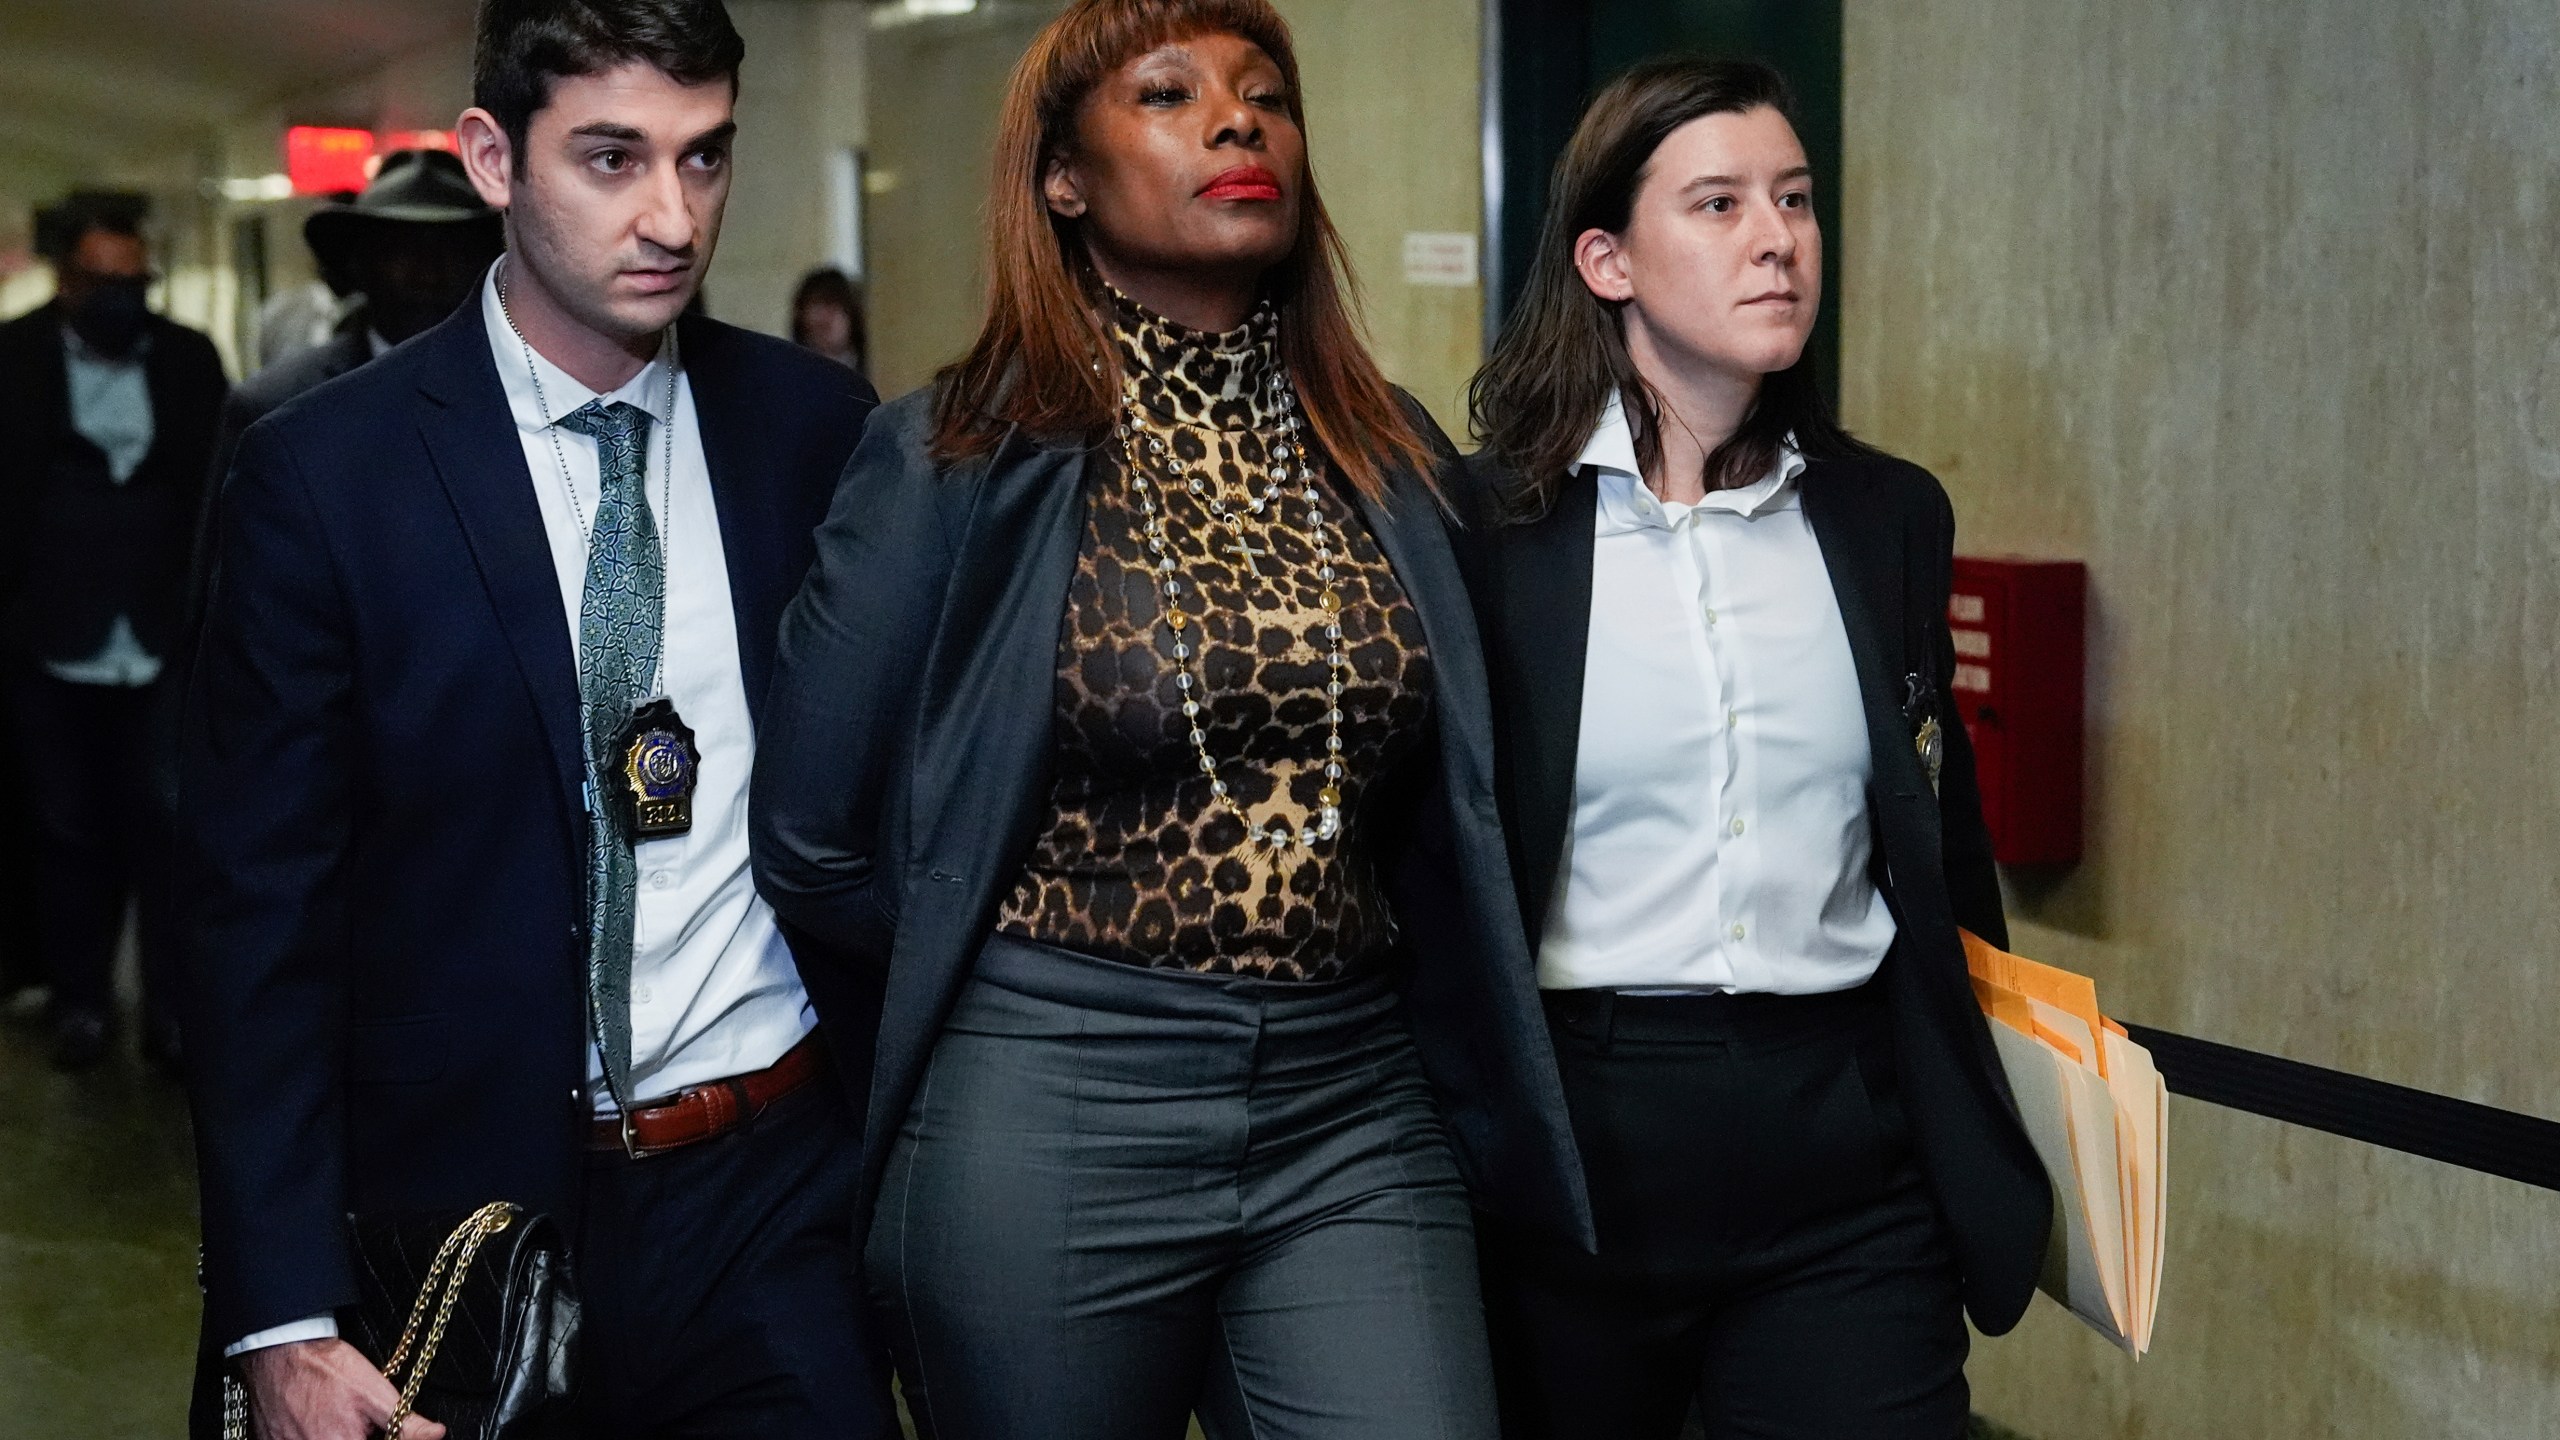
(1887, 537)
(383, 842)
(252, 401)
(263, 393)
(76, 548)
(905, 767)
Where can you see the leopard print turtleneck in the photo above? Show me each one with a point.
(1138, 861)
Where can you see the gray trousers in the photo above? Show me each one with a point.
(1123, 1194)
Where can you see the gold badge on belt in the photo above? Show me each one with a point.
(660, 766)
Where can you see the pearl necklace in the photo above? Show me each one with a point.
(1285, 465)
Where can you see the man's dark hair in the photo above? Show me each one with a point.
(526, 45)
(60, 228)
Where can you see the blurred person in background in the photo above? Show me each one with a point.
(411, 246)
(826, 316)
(304, 317)
(104, 447)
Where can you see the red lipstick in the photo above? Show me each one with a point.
(1244, 182)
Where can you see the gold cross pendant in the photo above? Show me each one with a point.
(1245, 548)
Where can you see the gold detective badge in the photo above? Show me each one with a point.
(660, 766)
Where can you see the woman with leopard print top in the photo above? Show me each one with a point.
(1127, 783)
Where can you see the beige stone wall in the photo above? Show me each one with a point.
(801, 98)
(934, 87)
(1392, 116)
(2255, 307)
(1395, 128)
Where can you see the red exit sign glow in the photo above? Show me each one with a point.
(320, 159)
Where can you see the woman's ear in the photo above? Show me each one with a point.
(1601, 259)
(1058, 186)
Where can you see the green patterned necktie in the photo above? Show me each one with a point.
(620, 616)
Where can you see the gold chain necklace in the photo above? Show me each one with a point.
(1285, 459)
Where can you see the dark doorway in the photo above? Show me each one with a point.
(1548, 56)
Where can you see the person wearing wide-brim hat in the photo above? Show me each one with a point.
(413, 245)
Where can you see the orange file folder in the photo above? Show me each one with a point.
(2097, 1113)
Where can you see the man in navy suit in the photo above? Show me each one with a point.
(463, 788)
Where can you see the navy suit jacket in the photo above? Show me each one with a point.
(382, 834)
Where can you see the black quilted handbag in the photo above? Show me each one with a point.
(474, 1317)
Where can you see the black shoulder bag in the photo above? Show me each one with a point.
(474, 1317)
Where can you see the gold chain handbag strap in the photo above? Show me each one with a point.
(441, 1293)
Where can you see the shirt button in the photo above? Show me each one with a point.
(1711, 617)
(642, 996)
(1732, 719)
(1737, 825)
(660, 880)
(1737, 931)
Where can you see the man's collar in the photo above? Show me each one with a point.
(541, 393)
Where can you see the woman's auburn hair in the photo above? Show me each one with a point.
(1563, 352)
(1045, 361)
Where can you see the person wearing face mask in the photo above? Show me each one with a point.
(105, 440)
(463, 776)
(1129, 747)
(1744, 818)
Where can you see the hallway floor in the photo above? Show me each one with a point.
(97, 1248)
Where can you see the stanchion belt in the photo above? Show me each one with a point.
(2417, 1122)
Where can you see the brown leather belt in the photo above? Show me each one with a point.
(707, 1112)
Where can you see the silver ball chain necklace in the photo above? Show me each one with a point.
(1285, 464)
(665, 424)
(659, 762)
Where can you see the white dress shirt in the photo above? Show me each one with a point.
(713, 989)
(111, 409)
(1719, 836)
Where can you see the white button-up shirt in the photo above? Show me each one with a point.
(1719, 836)
(713, 989)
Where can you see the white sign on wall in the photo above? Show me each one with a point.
(1439, 257)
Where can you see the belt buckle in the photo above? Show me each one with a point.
(630, 1140)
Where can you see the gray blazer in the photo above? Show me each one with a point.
(903, 764)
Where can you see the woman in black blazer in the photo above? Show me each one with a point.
(1743, 818)
(1130, 753)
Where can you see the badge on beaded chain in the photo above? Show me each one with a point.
(660, 766)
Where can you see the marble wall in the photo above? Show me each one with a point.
(2255, 307)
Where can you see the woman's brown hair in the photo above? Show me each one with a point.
(1044, 360)
(1563, 352)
